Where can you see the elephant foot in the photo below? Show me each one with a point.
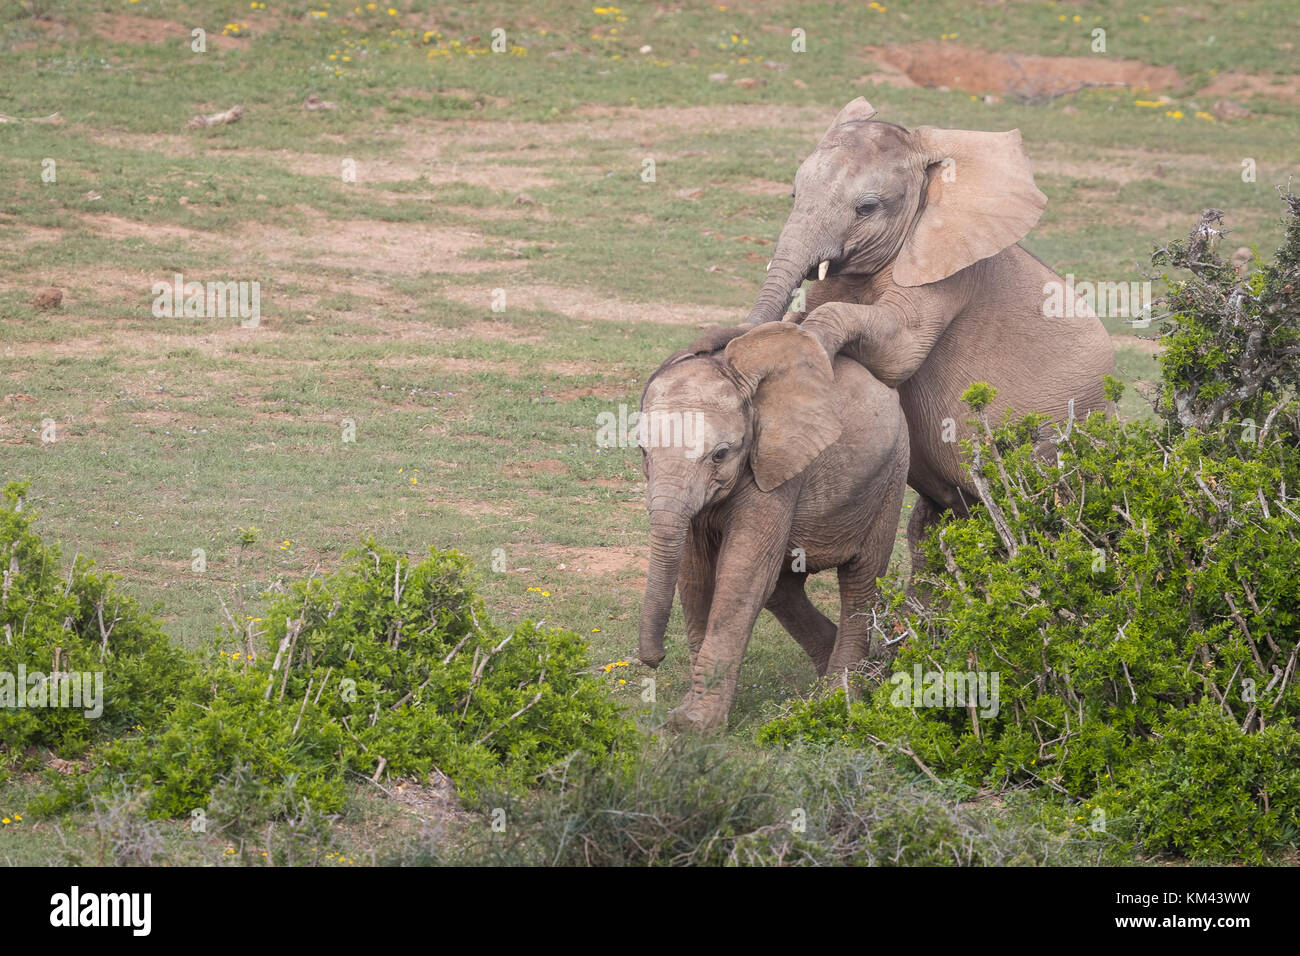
(858, 679)
(819, 322)
(696, 714)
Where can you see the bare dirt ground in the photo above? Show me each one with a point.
(959, 67)
(978, 71)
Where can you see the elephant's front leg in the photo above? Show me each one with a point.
(746, 572)
(891, 338)
(695, 586)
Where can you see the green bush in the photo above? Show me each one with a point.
(1207, 784)
(223, 721)
(1136, 597)
(91, 626)
(386, 666)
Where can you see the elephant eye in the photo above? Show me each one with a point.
(720, 453)
(867, 206)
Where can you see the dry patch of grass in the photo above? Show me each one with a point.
(589, 305)
(125, 28)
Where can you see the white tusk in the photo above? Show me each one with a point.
(768, 267)
(823, 269)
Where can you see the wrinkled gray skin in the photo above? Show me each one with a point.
(785, 453)
(926, 286)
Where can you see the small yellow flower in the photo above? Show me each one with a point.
(621, 681)
(5, 821)
(1077, 19)
(1174, 114)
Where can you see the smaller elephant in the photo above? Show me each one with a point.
(765, 464)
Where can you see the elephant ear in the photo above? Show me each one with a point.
(784, 373)
(855, 111)
(717, 338)
(980, 199)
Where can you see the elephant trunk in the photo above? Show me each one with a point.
(782, 279)
(667, 541)
(794, 257)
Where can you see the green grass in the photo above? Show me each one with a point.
(175, 433)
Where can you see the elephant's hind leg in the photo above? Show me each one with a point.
(925, 513)
(814, 631)
(857, 595)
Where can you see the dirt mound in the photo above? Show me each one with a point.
(1023, 77)
(126, 28)
(1243, 85)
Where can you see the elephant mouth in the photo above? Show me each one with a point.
(839, 265)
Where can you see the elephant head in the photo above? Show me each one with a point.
(709, 422)
(928, 201)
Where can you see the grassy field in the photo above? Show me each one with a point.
(510, 177)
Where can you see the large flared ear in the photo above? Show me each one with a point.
(980, 199)
(785, 374)
(856, 111)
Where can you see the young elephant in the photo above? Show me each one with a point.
(776, 452)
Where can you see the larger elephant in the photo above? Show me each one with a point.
(911, 240)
